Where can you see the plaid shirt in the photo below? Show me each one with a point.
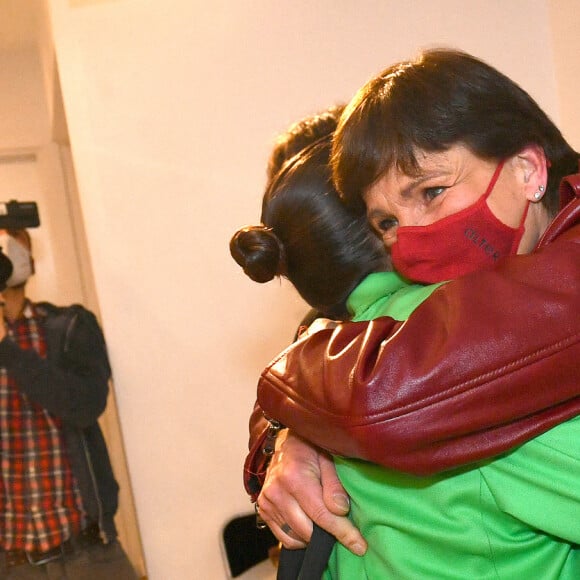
(40, 505)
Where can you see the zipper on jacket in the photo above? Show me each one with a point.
(102, 532)
(271, 435)
(86, 451)
(68, 332)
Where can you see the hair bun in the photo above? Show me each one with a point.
(259, 252)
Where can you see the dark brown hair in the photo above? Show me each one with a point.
(309, 236)
(443, 98)
(301, 134)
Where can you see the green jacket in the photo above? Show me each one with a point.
(514, 517)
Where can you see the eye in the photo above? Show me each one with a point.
(431, 193)
(383, 225)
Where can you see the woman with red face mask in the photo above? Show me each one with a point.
(302, 237)
(465, 179)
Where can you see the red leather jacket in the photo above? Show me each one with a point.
(486, 363)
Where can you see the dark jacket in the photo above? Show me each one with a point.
(486, 363)
(73, 383)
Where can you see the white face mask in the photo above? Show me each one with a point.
(20, 258)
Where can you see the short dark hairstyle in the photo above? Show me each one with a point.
(309, 236)
(443, 98)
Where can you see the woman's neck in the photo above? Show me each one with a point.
(537, 222)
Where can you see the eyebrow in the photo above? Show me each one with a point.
(405, 192)
(375, 214)
(430, 174)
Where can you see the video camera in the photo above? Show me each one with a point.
(15, 215)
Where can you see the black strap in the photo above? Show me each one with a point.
(60, 323)
(310, 562)
(57, 321)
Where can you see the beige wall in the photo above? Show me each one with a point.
(23, 118)
(172, 107)
(565, 24)
(36, 165)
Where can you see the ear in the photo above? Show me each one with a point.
(531, 170)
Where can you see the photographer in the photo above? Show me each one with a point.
(58, 494)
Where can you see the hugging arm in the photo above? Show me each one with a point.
(486, 363)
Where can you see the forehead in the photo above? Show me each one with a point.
(398, 186)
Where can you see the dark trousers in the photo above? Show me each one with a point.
(95, 562)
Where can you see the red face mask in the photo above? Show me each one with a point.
(471, 239)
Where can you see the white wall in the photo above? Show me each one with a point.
(30, 162)
(565, 23)
(23, 117)
(172, 107)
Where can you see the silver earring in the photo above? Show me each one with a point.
(538, 195)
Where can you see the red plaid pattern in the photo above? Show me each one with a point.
(40, 505)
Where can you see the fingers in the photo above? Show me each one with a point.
(316, 507)
(337, 502)
(293, 497)
(279, 529)
(277, 502)
(283, 531)
(343, 530)
(335, 497)
(286, 528)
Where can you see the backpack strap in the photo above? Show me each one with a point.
(58, 322)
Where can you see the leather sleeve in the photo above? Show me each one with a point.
(486, 363)
(263, 434)
(257, 461)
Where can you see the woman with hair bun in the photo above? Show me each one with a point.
(309, 236)
(336, 263)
